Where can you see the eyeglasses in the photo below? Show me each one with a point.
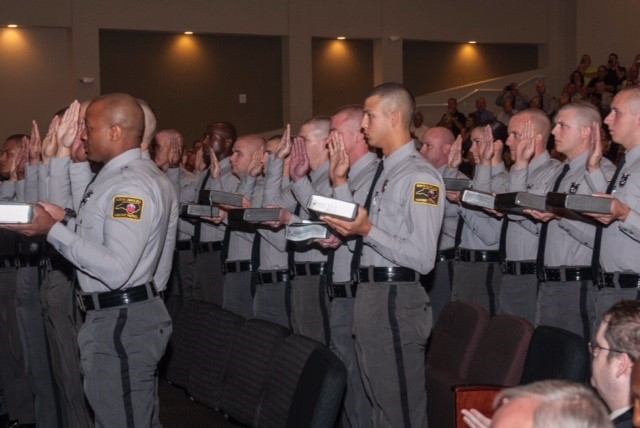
(595, 349)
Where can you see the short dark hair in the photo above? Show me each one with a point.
(401, 98)
(623, 328)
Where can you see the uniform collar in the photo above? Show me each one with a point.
(121, 160)
(317, 173)
(361, 164)
(397, 157)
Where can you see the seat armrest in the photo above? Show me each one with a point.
(479, 397)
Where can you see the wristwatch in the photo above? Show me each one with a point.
(68, 215)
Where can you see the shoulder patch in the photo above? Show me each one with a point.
(128, 208)
(424, 193)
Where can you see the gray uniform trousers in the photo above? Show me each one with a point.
(356, 407)
(180, 286)
(569, 305)
(310, 308)
(518, 296)
(392, 322)
(207, 277)
(34, 346)
(17, 394)
(239, 290)
(62, 320)
(272, 301)
(437, 283)
(478, 283)
(129, 340)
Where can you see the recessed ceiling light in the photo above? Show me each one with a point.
(472, 42)
(12, 26)
(188, 33)
(341, 38)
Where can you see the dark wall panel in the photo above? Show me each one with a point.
(342, 73)
(433, 66)
(191, 81)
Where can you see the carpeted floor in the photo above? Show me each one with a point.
(177, 410)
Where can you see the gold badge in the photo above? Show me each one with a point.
(424, 193)
(127, 208)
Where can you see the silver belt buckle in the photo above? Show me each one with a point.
(81, 305)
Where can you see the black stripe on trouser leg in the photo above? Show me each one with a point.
(489, 286)
(450, 269)
(287, 301)
(397, 346)
(584, 316)
(322, 291)
(124, 367)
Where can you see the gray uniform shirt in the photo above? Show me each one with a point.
(355, 190)
(125, 229)
(451, 216)
(621, 240)
(523, 233)
(406, 213)
(570, 242)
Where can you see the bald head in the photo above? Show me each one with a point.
(436, 145)
(244, 150)
(114, 124)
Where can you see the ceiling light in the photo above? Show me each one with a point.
(341, 38)
(188, 33)
(472, 42)
(12, 26)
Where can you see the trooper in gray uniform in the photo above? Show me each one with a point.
(397, 236)
(566, 295)
(477, 253)
(122, 248)
(529, 131)
(13, 378)
(436, 146)
(208, 238)
(246, 165)
(620, 245)
(350, 154)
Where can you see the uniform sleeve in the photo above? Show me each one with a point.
(482, 225)
(19, 195)
(32, 178)
(580, 231)
(416, 247)
(163, 271)
(59, 182)
(482, 178)
(80, 175)
(517, 181)
(175, 175)
(112, 261)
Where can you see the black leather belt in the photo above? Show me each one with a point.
(58, 262)
(208, 247)
(273, 277)
(445, 255)
(388, 274)
(344, 290)
(519, 268)
(465, 255)
(183, 245)
(28, 261)
(8, 262)
(112, 299)
(238, 266)
(563, 274)
(621, 280)
(310, 269)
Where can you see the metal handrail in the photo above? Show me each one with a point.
(478, 90)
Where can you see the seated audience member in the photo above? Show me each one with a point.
(588, 71)
(544, 404)
(600, 77)
(547, 102)
(482, 114)
(453, 119)
(635, 394)
(519, 101)
(616, 74)
(507, 112)
(418, 127)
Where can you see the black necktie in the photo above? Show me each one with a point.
(357, 253)
(595, 258)
(542, 242)
(198, 226)
(502, 252)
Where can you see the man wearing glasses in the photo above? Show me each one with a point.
(615, 349)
